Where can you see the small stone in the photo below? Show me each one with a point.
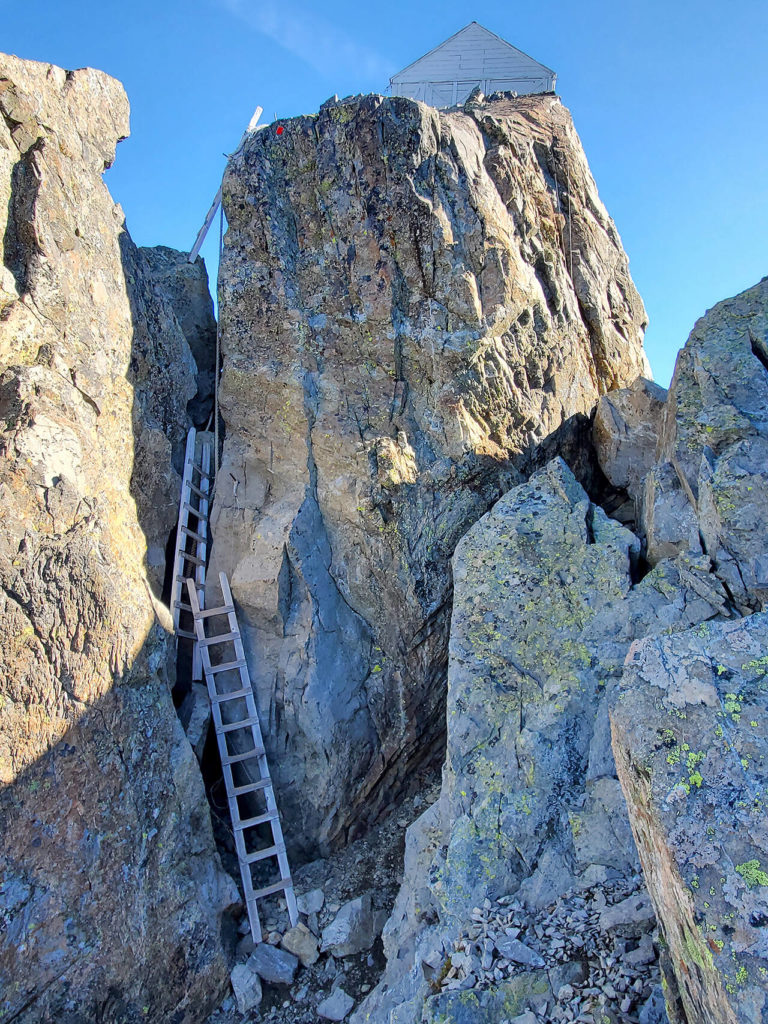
(352, 930)
(273, 964)
(246, 985)
(302, 943)
(517, 951)
(629, 917)
(336, 1006)
(311, 902)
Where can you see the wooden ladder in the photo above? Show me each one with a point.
(192, 545)
(229, 687)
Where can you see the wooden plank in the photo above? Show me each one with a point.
(222, 698)
(270, 890)
(251, 787)
(260, 819)
(223, 638)
(206, 613)
(269, 851)
(246, 723)
(187, 557)
(237, 758)
(199, 491)
(228, 666)
(191, 533)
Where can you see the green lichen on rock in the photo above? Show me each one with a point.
(751, 873)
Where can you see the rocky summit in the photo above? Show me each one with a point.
(402, 329)
(502, 598)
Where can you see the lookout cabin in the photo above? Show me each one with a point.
(473, 57)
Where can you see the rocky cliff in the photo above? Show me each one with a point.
(412, 302)
(111, 891)
(419, 309)
(554, 629)
(689, 717)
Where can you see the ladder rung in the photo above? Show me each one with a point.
(231, 696)
(183, 579)
(284, 883)
(205, 613)
(251, 787)
(196, 490)
(227, 666)
(192, 558)
(201, 471)
(270, 851)
(223, 638)
(256, 752)
(196, 511)
(260, 819)
(195, 536)
(245, 724)
(186, 634)
(183, 605)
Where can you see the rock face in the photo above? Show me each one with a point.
(111, 892)
(184, 287)
(545, 609)
(688, 720)
(625, 434)
(715, 439)
(411, 300)
(690, 732)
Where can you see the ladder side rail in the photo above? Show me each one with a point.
(245, 871)
(215, 205)
(278, 842)
(177, 588)
(202, 546)
(277, 829)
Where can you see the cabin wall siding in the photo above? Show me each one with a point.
(474, 57)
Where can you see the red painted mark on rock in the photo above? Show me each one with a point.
(280, 129)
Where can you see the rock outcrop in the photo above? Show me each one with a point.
(411, 301)
(625, 434)
(715, 438)
(545, 609)
(688, 719)
(111, 891)
(690, 728)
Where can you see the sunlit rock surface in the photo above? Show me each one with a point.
(411, 301)
(111, 892)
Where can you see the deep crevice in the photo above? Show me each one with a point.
(759, 350)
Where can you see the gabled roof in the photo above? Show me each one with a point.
(482, 28)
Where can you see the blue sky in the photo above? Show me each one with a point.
(670, 100)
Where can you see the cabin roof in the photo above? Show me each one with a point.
(482, 28)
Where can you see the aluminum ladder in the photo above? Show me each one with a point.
(229, 688)
(192, 544)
